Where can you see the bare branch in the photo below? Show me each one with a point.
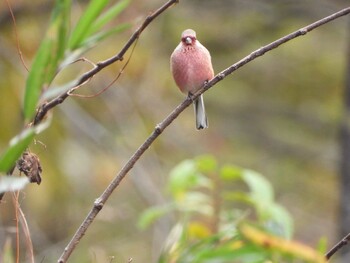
(99, 202)
(261, 51)
(45, 107)
(22, 219)
(338, 246)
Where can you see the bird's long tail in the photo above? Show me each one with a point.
(199, 110)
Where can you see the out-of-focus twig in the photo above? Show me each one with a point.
(99, 202)
(16, 34)
(16, 206)
(20, 218)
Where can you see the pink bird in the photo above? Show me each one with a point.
(191, 66)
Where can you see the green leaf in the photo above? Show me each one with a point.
(206, 164)
(152, 214)
(186, 176)
(238, 196)
(89, 42)
(230, 172)
(172, 243)
(246, 253)
(43, 125)
(195, 202)
(261, 195)
(106, 17)
(36, 78)
(55, 91)
(11, 183)
(58, 33)
(81, 30)
(46, 60)
(183, 176)
(322, 245)
(92, 40)
(17, 145)
(277, 220)
(260, 189)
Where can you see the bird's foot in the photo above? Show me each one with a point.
(190, 97)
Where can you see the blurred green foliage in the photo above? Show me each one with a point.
(51, 52)
(213, 226)
(46, 61)
(278, 115)
(15, 149)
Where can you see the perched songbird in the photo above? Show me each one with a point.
(191, 66)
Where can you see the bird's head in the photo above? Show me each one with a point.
(188, 37)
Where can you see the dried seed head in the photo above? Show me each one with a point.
(29, 164)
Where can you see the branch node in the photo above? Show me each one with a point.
(158, 129)
(303, 31)
(41, 107)
(259, 52)
(220, 76)
(98, 204)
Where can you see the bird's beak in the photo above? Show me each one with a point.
(188, 40)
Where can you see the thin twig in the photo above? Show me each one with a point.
(16, 207)
(99, 202)
(338, 246)
(28, 237)
(20, 218)
(17, 37)
(121, 71)
(44, 108)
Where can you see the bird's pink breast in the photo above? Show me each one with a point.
(191, 67)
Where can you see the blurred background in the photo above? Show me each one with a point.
(280, 115)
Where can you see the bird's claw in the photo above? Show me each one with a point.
(190, 96)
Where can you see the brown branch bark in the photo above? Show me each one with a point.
(338, 246)
(99, 202)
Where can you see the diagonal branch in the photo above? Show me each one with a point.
(99, 202)
(45, 107)
(261, 51)
(338, 246)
